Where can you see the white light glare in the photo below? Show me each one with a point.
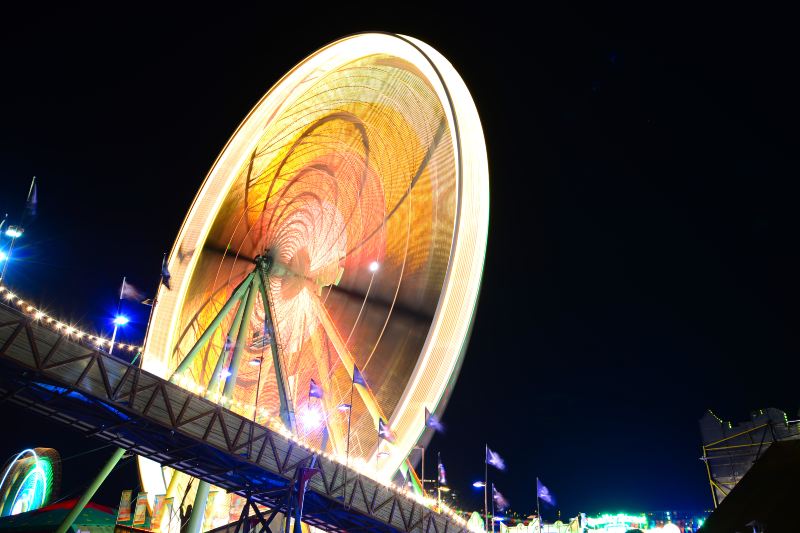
(311, 419)
(374, 266)
(14, 232)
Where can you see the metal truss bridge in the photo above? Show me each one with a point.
(108, 398)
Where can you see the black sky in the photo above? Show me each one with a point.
(642, 262)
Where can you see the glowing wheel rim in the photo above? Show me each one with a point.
(362, 174)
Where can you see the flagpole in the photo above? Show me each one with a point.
(349, 418)
(485, 483)
(492, 507)
(538, 512)
(152, 306)
(439, 478)
(423, 470)
(119, 308)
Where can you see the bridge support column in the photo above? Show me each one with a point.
(90, 490)
(198, 508)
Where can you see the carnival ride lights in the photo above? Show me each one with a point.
(344, 225)
(624, 520)
(29, 480)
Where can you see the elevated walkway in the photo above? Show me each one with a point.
(105, 397)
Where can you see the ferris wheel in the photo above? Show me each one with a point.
(325, 278)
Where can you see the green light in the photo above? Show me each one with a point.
(27, 481)
(619, 519)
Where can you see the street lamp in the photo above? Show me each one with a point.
(14, 232)
(119, 320)
(479, 484)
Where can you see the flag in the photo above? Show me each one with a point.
(432, 421)
(494, 459)
(544, 494)
(165, 275)
(442, 474)
(499, 500)
(314, 390)
(129, 292)
(124, 513)
(358, 378)
(32, 201)
(303, 478)
(384, 432)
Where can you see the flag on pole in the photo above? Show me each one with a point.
(32, 201)
(314, 390)
(358, 378)
(304, 477)
(499, 499)
(165, 275)
(544, 494)
(129, 292)
(384, 432)
(494, 459)
(432, 421)
(442, 473)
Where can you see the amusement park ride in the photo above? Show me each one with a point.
(317, 301)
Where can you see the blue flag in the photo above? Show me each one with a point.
(442, 473)
(358, 379)
(384, 432)
(314, 390)
(165, 275)
(544, 494)
(499, 499)
(432, 421)
(494, 459)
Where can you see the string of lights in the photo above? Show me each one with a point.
(262, 416)
(9, 297)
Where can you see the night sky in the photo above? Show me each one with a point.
(642, 262)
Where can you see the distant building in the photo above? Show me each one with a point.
(730, 450)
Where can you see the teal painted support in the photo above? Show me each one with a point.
(66, 524)
(198, 508)
(286, 408)
(241, 340)
(235, 297)
(223, 356)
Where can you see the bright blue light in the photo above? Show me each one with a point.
(479, 484)
(121, 320)
(499, 518)
(3, 256)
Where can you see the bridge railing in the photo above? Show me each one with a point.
(158, 419)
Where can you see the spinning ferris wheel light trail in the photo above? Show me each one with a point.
(343, 225)
(338, 239)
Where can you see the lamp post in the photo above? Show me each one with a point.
(15, 232)
(482, 485)
(119, 320)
